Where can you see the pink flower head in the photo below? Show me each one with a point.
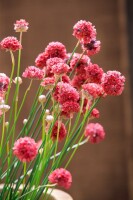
(68, 108)
(93, 89)
(94, 73)
(94, 132)
(60, 68)
(95, 113)
(61, 177)
(65, 92)
(65, 78)
(78, 81)
(48, 82)
(62, 131)
(50, 62)
(33, 73)
(10, 43)
(56, 49)
(21, 25)
(25, 149)
(41, 59)
(93, 47)
(113, 83)
(84, 31)
(4, 82)
(79, 63)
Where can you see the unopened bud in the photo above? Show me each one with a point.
(47, 111)
(6, 124)
(41, 150)
(18, 80)
(42, 98)
(49, 118)
(25, 121)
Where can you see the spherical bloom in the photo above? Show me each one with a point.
(68, 108)
(48, 82)
(84, 31)
(4, 82)
(78, 81)
(94, 132)
(50, 62)
(61, 177)
(94, 73)
(65, 92)
(56, 49)
(93, 89)
(95, 113)
(21, 25)
(41, 59)
(59, 132)
(33, 73)
(10, 43)
(65, 78)
(25, 149)
(113, 83)
(60, 68)
(79, 63)
(92, 48)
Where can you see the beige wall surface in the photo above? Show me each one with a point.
(103, 171)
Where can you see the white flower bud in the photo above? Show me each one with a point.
(42, 98)
(47, 111)
(2, 102)
(6, 124)
(25, 121)
(41, 150)
(4, 108)
(49, 118)
(18, 79)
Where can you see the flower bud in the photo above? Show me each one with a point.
(18, 79)
(49, 118)
(25, 121)
(42, 98)
(6, 124)
(47, 111)
(41, 150)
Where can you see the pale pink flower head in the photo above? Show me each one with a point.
(93, 89)
(41, 59)
(113, 83)
(10, 43)
(78, 81)
(84, 31)
(48, 82)
(60, 68)
(50, 62)
(94, 132)
(25, 149)
(21, 25)
(68, 108)
(65, 92)
(61, 177)
(92, 48)
(59, 132)
(4, 82)
(32, 72)
(56, 49)
(94, 73)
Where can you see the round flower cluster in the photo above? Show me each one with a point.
(21, 25)
(61, 177)
(41, 59)
(10, 43)
(94, 132)
(58, 131)
(4, 83)
(25, 149)
(93, 89)
(32, 72)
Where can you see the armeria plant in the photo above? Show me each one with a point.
(31, 161)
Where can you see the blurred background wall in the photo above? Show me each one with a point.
(102, 171)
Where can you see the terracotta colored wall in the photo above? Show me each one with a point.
(99, 171)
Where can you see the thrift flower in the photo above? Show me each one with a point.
(60, 131)
(10, 43)
(21, 25)
(32, 72)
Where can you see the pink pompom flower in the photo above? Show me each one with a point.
(21, 25)
(60, 68)
(32, 72)
(61, 177)
(56, 49)
(65, 92)
(4, 82)
(68, 108)
(84, 31)
(48, 82)
(61, 129)
(94, 132)
(41, 59)
(25, 149)
(92, 48)
(10, 43)
(93, 89)
(113, 83)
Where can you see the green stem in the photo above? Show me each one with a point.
(3, 131)
(73, 52)
(24, 180)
